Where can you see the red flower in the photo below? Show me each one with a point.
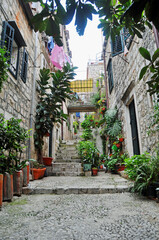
(103, 109)
(121, 139)
(96, 123)
(110, 155)
(91, 120)
(118, 145)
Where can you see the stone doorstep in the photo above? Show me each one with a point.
(60, 191)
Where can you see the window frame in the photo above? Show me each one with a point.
(24, 66)
(14, 37)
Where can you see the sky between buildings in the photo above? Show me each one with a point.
(85, 48)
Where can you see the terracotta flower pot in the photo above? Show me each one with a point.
(7, 187)
(26, 175)
(94, 171)
(17, 183)
(1, 190)
(101, 166)
(38, 173)
(47, 161)
(121, 168)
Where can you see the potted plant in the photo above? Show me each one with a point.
(143, 169)
(88, 152)
(12, 142)
(47, 161)
(37, 170)
(49, 107)
(94, 171)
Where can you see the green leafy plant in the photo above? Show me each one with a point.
(110, 124)
(132, 164)
(95, 99)
(147, 175)
(88, 152)
(113, 15)
(88, 122)
(87, 134)
(154, 125)
(12, 143)
(153, 67)
(75, 126)
(49, 107)
(3, 67)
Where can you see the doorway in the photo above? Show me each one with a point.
(134, 129)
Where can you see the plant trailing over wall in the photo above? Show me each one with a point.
(49, 107)
(95, 98)
(12, 143)
(3, 67)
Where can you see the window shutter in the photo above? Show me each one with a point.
(7, 38)
(127, 37)
(110, 75)
(117, 45)
(24, 66)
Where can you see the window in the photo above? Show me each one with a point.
(13, 41)
(110, 75)
(117, 45)
(24, 66)
(124, 39)
(127, 37)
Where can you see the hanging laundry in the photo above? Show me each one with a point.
(78, 114)
(58, 57)
(125, 51)
(50, 44)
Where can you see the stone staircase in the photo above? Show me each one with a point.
(67, 161)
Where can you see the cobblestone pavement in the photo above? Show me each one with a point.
(118, 216)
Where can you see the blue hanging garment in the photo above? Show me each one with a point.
(78, 114)
(50, 44)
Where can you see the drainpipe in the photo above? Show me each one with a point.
(33, 95)
(105, 73)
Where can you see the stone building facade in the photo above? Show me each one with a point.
(128, 94)
(28, 55)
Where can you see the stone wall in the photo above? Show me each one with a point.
(127, 87)
(19, 99)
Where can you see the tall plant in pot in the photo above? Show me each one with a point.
(12, 143)
(54, 88)
(88, 153)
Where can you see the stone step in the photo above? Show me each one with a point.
(101, 184)
(65, 153)
(71, 159)
(67, 169)
(69, 155)
(79, 190)
(73, 149)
